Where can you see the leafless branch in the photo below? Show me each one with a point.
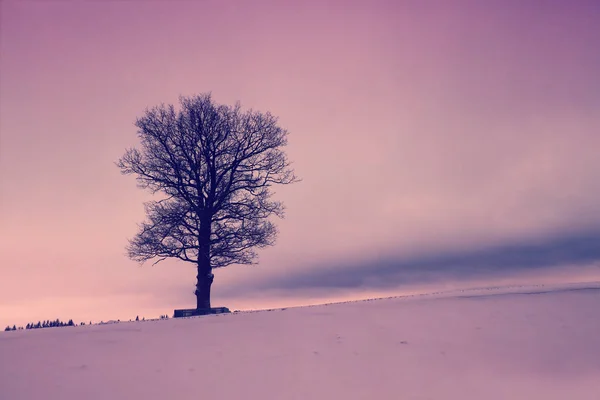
(216, 165)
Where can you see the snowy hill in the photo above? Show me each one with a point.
(519, 343)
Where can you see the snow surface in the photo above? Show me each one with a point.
(494, 343)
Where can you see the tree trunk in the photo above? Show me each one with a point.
(205, 281)
(205, 276)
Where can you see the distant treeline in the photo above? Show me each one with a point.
(59, 323)
(44, 324)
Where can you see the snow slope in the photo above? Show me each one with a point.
(521, 343)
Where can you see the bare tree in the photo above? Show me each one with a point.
(215, 166)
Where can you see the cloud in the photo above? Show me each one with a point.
(379, 273)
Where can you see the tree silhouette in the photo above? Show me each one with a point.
(215, 166)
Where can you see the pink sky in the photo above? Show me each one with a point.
(416, 128)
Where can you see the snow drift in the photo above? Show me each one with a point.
(530, 343)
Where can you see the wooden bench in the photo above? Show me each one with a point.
(191, 312)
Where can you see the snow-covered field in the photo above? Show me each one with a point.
(495, 343)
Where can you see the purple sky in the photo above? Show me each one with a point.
(417, 127)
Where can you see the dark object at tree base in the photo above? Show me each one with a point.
(200, 311)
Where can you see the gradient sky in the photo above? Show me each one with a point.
(427, 133)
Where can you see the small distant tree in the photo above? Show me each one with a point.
(14, 328)
(7, 329)
(214, 165)
(70, 323)
(137, 317)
